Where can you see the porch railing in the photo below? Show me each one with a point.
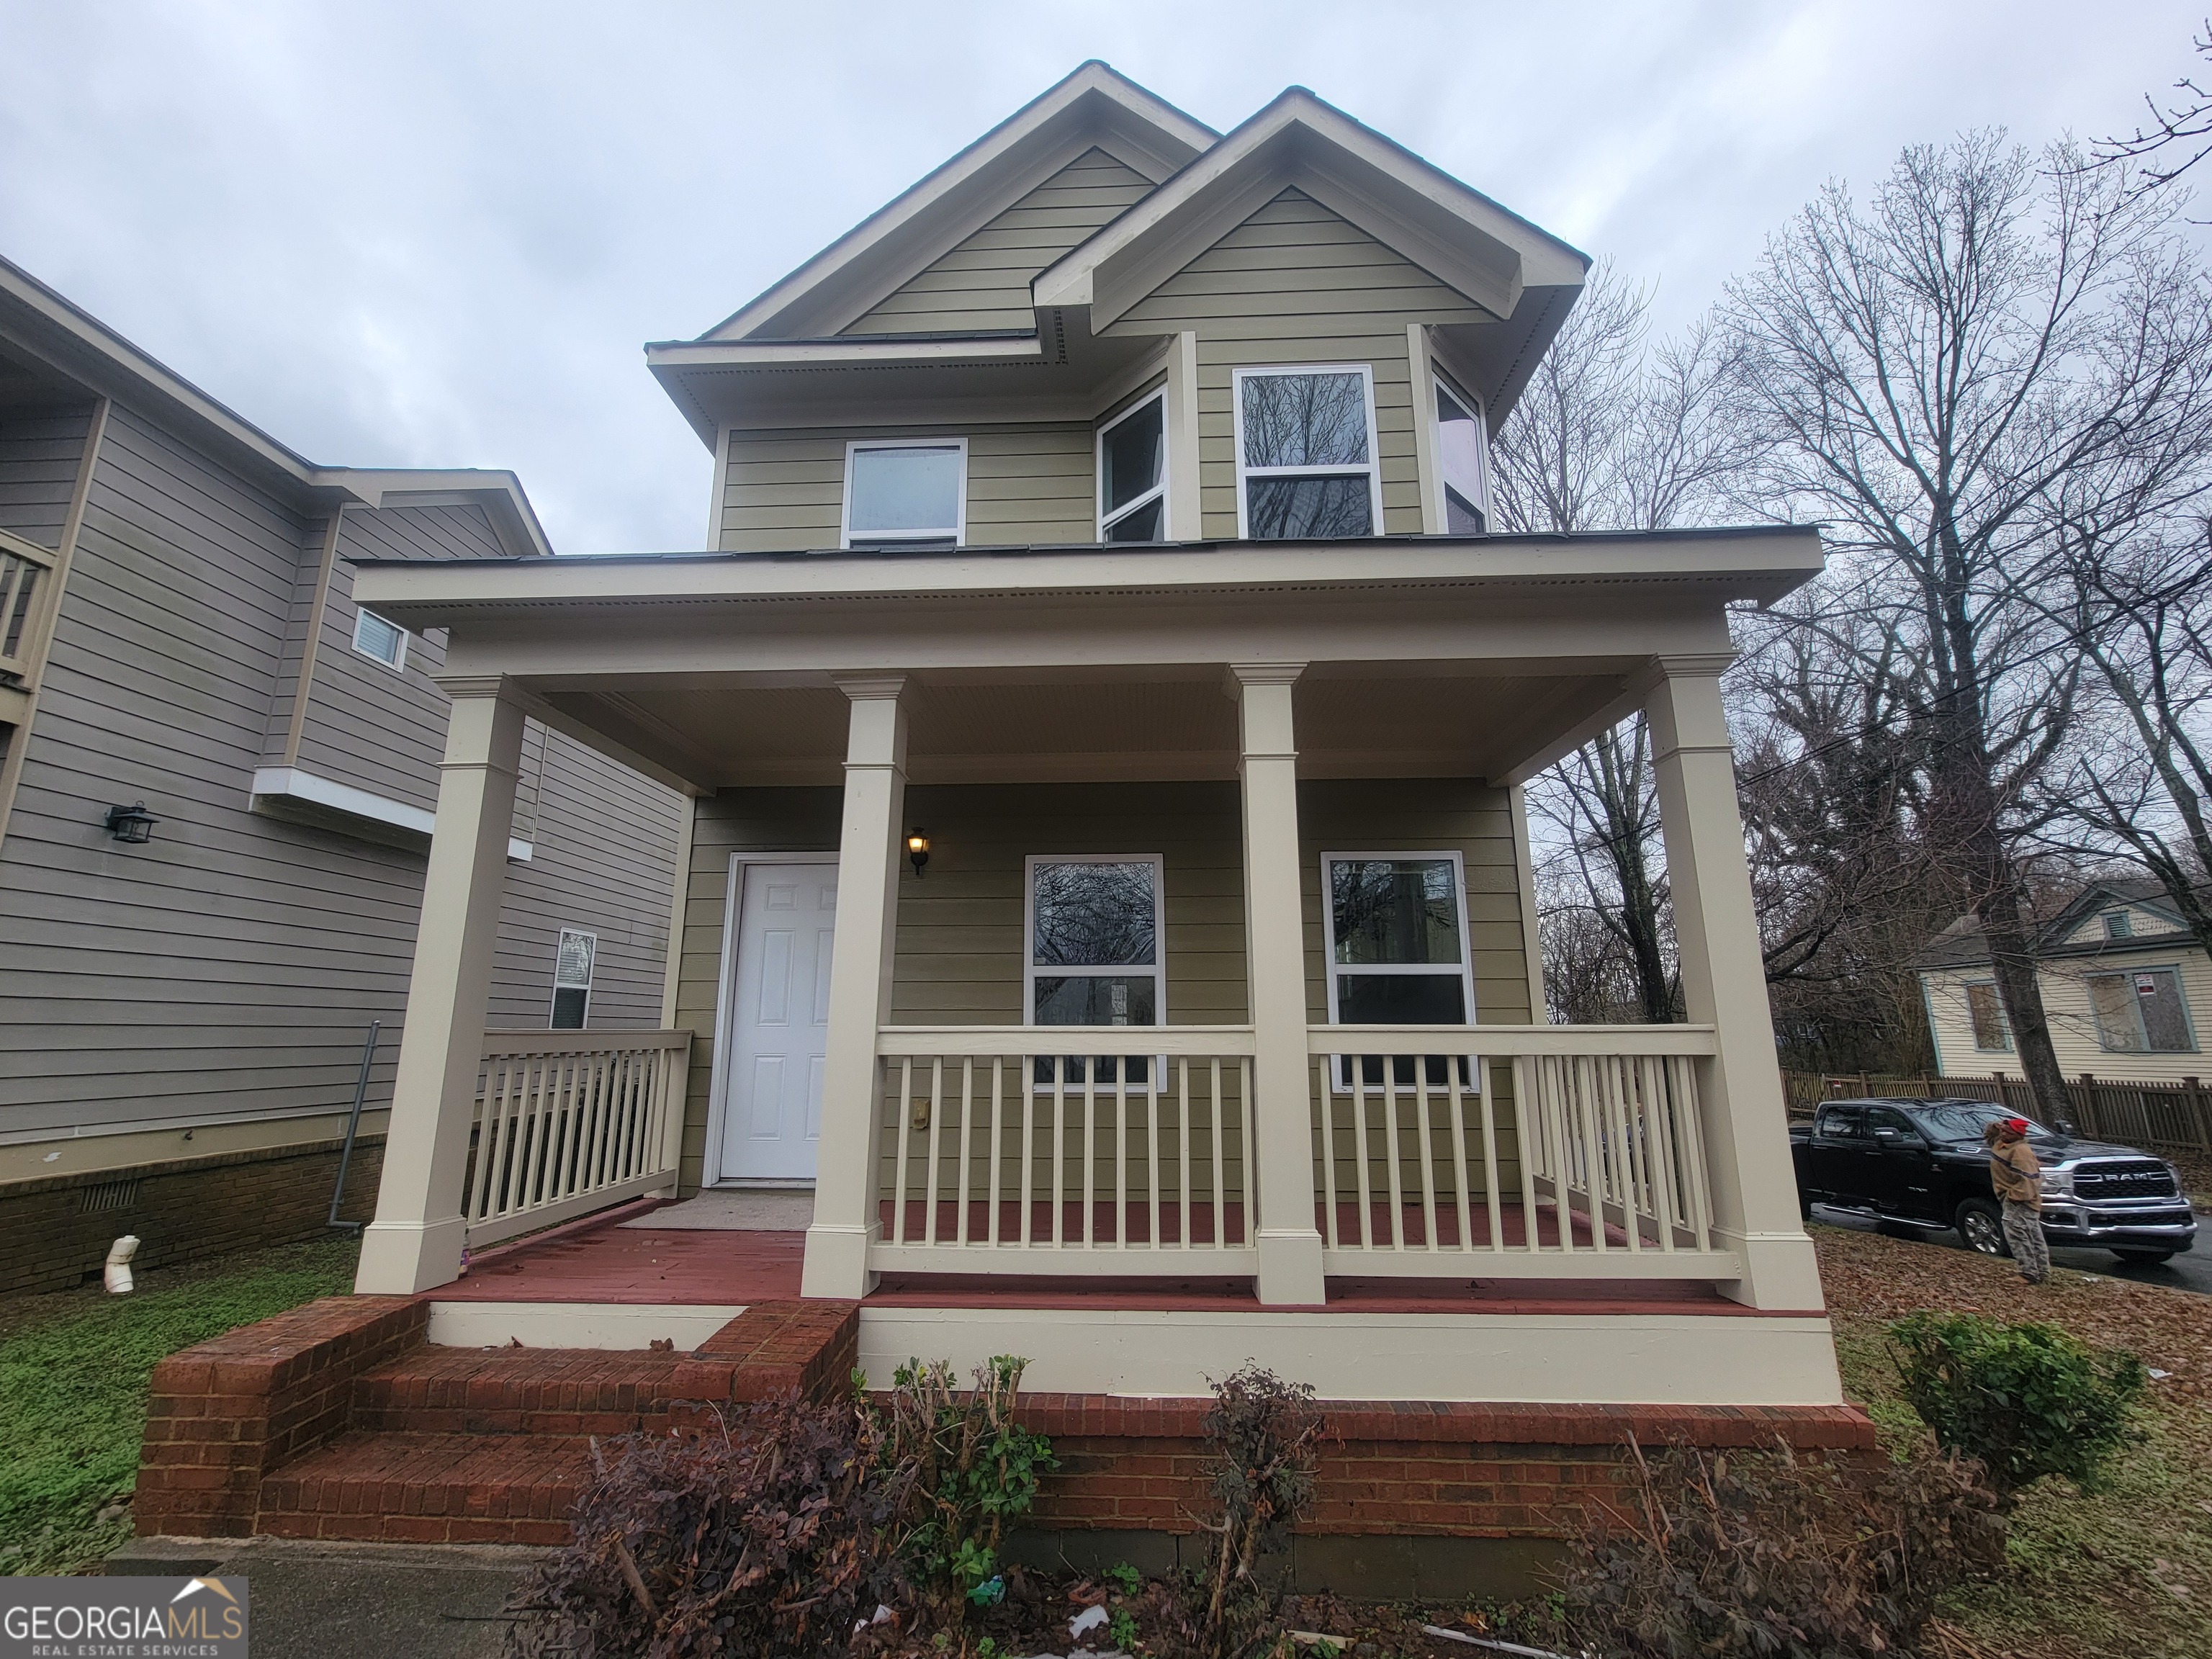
(1025, 1149)
(26, 568)
(568, 1122)
(1529, 1152)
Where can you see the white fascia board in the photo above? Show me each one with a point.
(495, 489)
(824, 354)
(1455, 232)
(291, 783)
(877, 240)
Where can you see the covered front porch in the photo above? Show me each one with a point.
(1344, 1100)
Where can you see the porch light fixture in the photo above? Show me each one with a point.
(917, 848)
(133, 825)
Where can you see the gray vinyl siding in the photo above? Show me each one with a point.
(229, 968)
(39, 452)
(785, 491)
(984, 282)
(1298, 284)
(959, 959)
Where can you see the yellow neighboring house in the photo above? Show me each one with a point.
(2126, 987)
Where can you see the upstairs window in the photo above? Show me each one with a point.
(1133, 474)
(1306, 454)
(572, 978)
(1461, 453)
(373, 637)
(905, 494)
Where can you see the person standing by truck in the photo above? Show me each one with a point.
(2018, 1178)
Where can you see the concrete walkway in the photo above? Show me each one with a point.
(337, 1601)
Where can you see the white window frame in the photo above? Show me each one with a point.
(2135, 1005)
(552, 1013)
(1158, 970)
(958, 532)
(1438, 377)
(397, 664)
(1967, 989)
(1341, 1075)
(1373, 469)
(1159, 492)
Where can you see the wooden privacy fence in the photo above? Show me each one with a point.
(1513, 1152)
(572, 1121)
(1000, 1151)
(2174, 1117)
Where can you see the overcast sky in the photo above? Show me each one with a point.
(437, 234)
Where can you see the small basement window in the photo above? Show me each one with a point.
(572, 961)
(2140, 1013)
(373, 637)
(1462, 456)
(1306, 454)
(1986, 1014)
(906, 494)
(1133, 474)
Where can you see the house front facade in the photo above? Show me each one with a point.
(217, 781)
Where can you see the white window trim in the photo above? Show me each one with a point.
(560, 934)
(1158, 968)
(2004, 1023)
(1331, 967)
(398, 664)
(1373, 469)
(1159, 492)
(1438, 377)
(2134, 1003)
(959, 530)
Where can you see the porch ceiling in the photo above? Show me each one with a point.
(1409, 720)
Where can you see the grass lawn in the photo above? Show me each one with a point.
(2122, 1574)
(72, 1373)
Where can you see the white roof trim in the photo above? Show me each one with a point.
(1456, 233)
(499, 492)
(1093, 105)
(817, 354)
(291, 783)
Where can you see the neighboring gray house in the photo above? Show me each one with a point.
(182, 1019)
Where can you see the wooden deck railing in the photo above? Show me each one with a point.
(1024, 1150)
(568, 1122)
(1531, 1151)
(26, 570)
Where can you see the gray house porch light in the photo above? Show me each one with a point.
(131, 824)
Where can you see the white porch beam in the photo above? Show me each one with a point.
(1274, 952)
(416, 1239)
(1744, 1123)
(845, 1220)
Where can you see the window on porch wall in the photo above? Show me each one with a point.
(1094, 956)
(1398, 950)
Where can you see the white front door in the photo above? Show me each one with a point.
(779, 1021)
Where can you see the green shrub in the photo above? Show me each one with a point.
(2027, 1401)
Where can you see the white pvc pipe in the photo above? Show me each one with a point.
(117, 1276)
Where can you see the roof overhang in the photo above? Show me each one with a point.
(498, 492)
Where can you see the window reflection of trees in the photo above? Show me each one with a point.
(1389, 912)
(1094, 916)
(1305, 419)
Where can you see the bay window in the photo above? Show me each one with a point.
(1306, 465)
(1463, 455)
(1133, 474)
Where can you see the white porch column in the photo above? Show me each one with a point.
(844, 1218)
(1275, 970)
(1744, 1119)
(415, 1240)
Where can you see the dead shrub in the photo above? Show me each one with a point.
(1768, 1555)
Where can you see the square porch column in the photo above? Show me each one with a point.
(844, 1218)
(415, 1241)
(1743, 1118)
(1275, 971)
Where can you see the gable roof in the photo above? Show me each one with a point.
(1962, 944)
(1095, 107)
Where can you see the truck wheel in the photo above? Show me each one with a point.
(1981, 1223)
(2146, 1258)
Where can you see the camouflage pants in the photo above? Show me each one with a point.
(2023, 1230)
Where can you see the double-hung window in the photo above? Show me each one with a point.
(1133, 474)
(1985, 1014)
(1306, 454)
(1397, 947)
(2140, 1013)
(572, 961)
(1463, 455)
(1093, 956)
(906, 494)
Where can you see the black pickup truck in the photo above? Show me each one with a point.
(1924, 1163)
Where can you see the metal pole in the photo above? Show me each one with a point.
(353, 1126)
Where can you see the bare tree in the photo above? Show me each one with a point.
(2176, 136)
(1943, 373)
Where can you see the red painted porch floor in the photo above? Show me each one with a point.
(600, 1260)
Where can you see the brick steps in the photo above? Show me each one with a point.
(536, 1391)
(412, 1488)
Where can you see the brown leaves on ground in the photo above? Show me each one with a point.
(1871, 1280)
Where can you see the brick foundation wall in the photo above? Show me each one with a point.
(55, 1231)
(221, 1416)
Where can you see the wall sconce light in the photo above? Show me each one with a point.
(917, 849)
(133, 825)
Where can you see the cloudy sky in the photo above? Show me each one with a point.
(436, 234)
